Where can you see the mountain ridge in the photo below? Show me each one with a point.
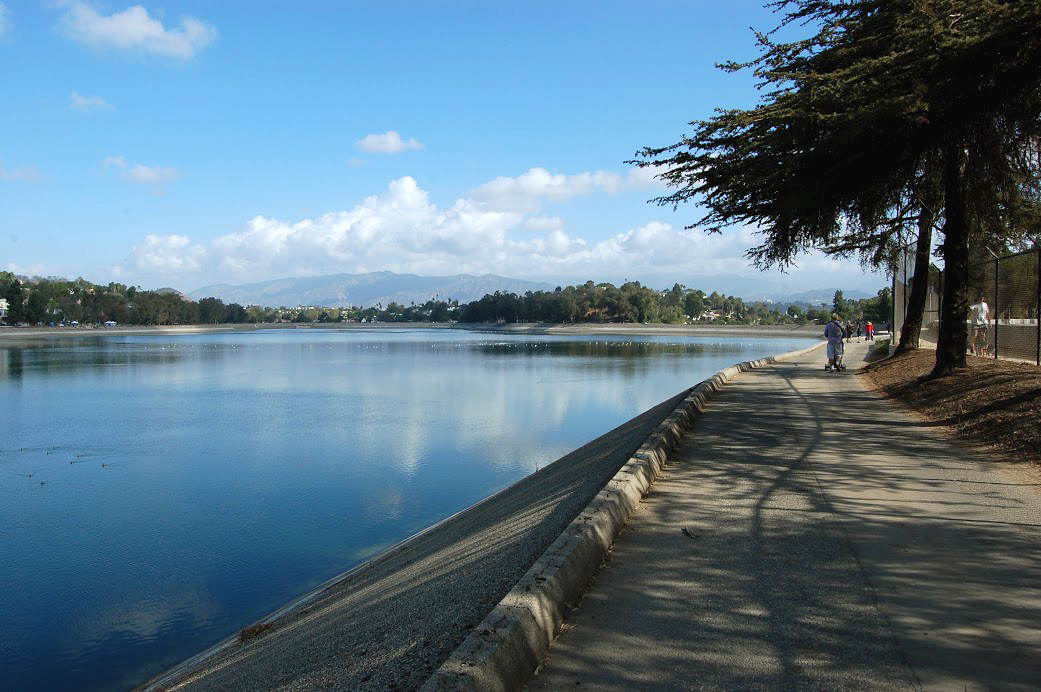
(365, 290)
(385, 287)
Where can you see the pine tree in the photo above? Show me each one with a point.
(882, 96)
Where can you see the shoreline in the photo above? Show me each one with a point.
(17, 334)
(398, 616)
(393, 622)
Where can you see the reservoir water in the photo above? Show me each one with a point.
(160, 492)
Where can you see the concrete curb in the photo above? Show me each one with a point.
(503, 651)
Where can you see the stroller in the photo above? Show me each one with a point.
(839, 365)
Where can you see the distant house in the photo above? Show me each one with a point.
(4, 305)
(110, 323)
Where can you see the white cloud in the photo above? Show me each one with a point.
(88, 103)
(5, 19)
(166, 255)
(28, 270)
(527, 192)
(22, 173)
(396, 230)
(150, 175)
(402, 230)
(135, 29)
(389, 142)
(139, 173)
(544, 224)
(646, 177)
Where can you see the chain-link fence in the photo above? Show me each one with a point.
(902, 294)
(1011, 290)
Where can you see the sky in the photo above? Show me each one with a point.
(187, 143)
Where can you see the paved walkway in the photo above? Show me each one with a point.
(808, 535)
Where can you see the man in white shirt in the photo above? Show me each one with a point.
(980, 325)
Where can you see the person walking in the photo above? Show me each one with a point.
(834, 333)
(980, 326)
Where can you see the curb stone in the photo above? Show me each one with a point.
(504, 650)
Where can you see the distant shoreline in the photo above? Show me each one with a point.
(17, 334)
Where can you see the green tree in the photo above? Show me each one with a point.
(235, 314)
(11, 290)
(36, 306)
(694, 304)
(856, 112)
(211, 310)
(839, 305)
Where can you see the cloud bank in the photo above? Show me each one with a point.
(135, 29)
(496, 229)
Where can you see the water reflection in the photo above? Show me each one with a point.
(160, 492)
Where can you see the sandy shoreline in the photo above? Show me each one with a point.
(18, 334)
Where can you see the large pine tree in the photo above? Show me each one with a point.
(882, 94)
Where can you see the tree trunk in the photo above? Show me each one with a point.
(954, 311)
(911, 331)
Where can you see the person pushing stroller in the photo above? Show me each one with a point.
(834, 332)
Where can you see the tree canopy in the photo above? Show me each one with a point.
(888, 106)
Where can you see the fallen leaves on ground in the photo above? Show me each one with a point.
(992, 403)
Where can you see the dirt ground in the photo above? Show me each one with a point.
(993, 405)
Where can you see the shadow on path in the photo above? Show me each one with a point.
(807, 536)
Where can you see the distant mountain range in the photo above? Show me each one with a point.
(823, 295)
(365, 290)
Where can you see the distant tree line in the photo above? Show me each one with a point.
(37, 300)
(634, 303)
(43, 301)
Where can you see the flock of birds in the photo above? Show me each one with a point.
(23, 455)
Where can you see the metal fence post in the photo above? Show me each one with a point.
(997, 268)
(892, 314)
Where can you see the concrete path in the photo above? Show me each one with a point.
(809, 535)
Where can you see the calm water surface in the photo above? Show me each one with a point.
(158, 493)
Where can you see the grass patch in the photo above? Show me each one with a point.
(880, 348)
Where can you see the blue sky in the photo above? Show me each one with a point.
(188, 143)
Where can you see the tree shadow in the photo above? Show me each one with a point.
(837, 547)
